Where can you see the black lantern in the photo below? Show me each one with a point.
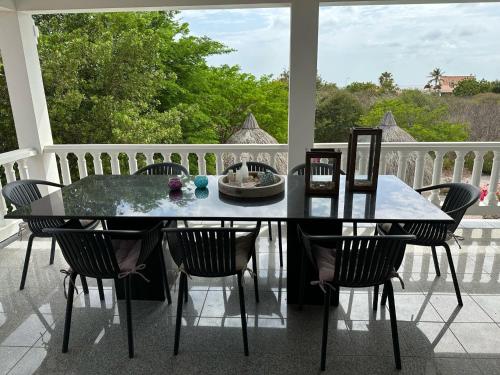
(322, 173)
(363, 176)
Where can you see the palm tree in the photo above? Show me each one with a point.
(435, 80)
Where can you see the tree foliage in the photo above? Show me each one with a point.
(471, 87)
(336, 113)
(420, 115)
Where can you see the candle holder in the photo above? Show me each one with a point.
(322, 179)
(357, 178)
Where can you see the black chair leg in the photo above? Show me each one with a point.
(394, 323)
(26, 261)
(436, 262)
(85, 286)
(354, 229)
(326, 318)
(270, 231)
(280, 244)
(243, 314)
(222, 224)
(101, 289)
(383, 300)
(52, 250)
(231, 224)
(302, 278)
(130, 333)
(453, 274)
(255, 276)
(336, 297)
(69, 310)
(375, 298)
(186, 290)
(165, 277)
(178, 318)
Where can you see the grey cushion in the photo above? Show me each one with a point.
(127, 253)
(244, 248)
(325, 261)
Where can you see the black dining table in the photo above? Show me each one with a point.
(127, 201)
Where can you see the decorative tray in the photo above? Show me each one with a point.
(252, 188)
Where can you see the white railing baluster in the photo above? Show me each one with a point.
(219, 163)
(273, 158)
(82, 165)
(436, 176)
(477, 168)
(132, 162)
(458, 168)
(115, 163)
(65, 172)
(150, 158)
(419, 169)
(167, 157)
(96, 159)
(492, 189)
(203, 164)
(3, 205)
(343, 160)
(10, 174)
(402, 164)
(363, 162)
(185, 160)
(23, 169)
(382, 163)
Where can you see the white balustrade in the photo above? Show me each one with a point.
(418, 153)
(9, 161)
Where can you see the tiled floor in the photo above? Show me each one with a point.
(436, 336)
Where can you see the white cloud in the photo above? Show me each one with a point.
(359, 42)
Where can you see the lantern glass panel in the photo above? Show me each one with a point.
(322, 172)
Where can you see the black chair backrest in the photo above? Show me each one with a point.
(459, 198)
(173, 169)
(360, 261)
(253, 166)
(23, 192)
(319, 169)
(206, 252)
(91, 252)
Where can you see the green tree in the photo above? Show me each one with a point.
(386, 81)
(335, 115)
(471, 87)
(362, 87)
(435, 80)
(8, 140)
(421, 116)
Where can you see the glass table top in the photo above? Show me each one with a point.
(102, 197)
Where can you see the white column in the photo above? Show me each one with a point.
(302, 85)
(491, 198)
(419, 169)
(18, 45)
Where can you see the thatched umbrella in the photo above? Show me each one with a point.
(251, 133)
(391, 132)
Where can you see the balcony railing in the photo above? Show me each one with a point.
(418, 163)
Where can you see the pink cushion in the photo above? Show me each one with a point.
(127, 253)
(325, 261)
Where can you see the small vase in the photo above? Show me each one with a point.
(175, 184)
(201, 181)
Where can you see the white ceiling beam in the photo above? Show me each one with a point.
(80, 6)
(7, 6)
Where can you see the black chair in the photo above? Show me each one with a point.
(23, 192)
(212, 252)
(163, 169)
(355, 262)
(321, 169)
(254, 166)
(459, 198)
(106, 254)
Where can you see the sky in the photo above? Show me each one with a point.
(357, 43)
